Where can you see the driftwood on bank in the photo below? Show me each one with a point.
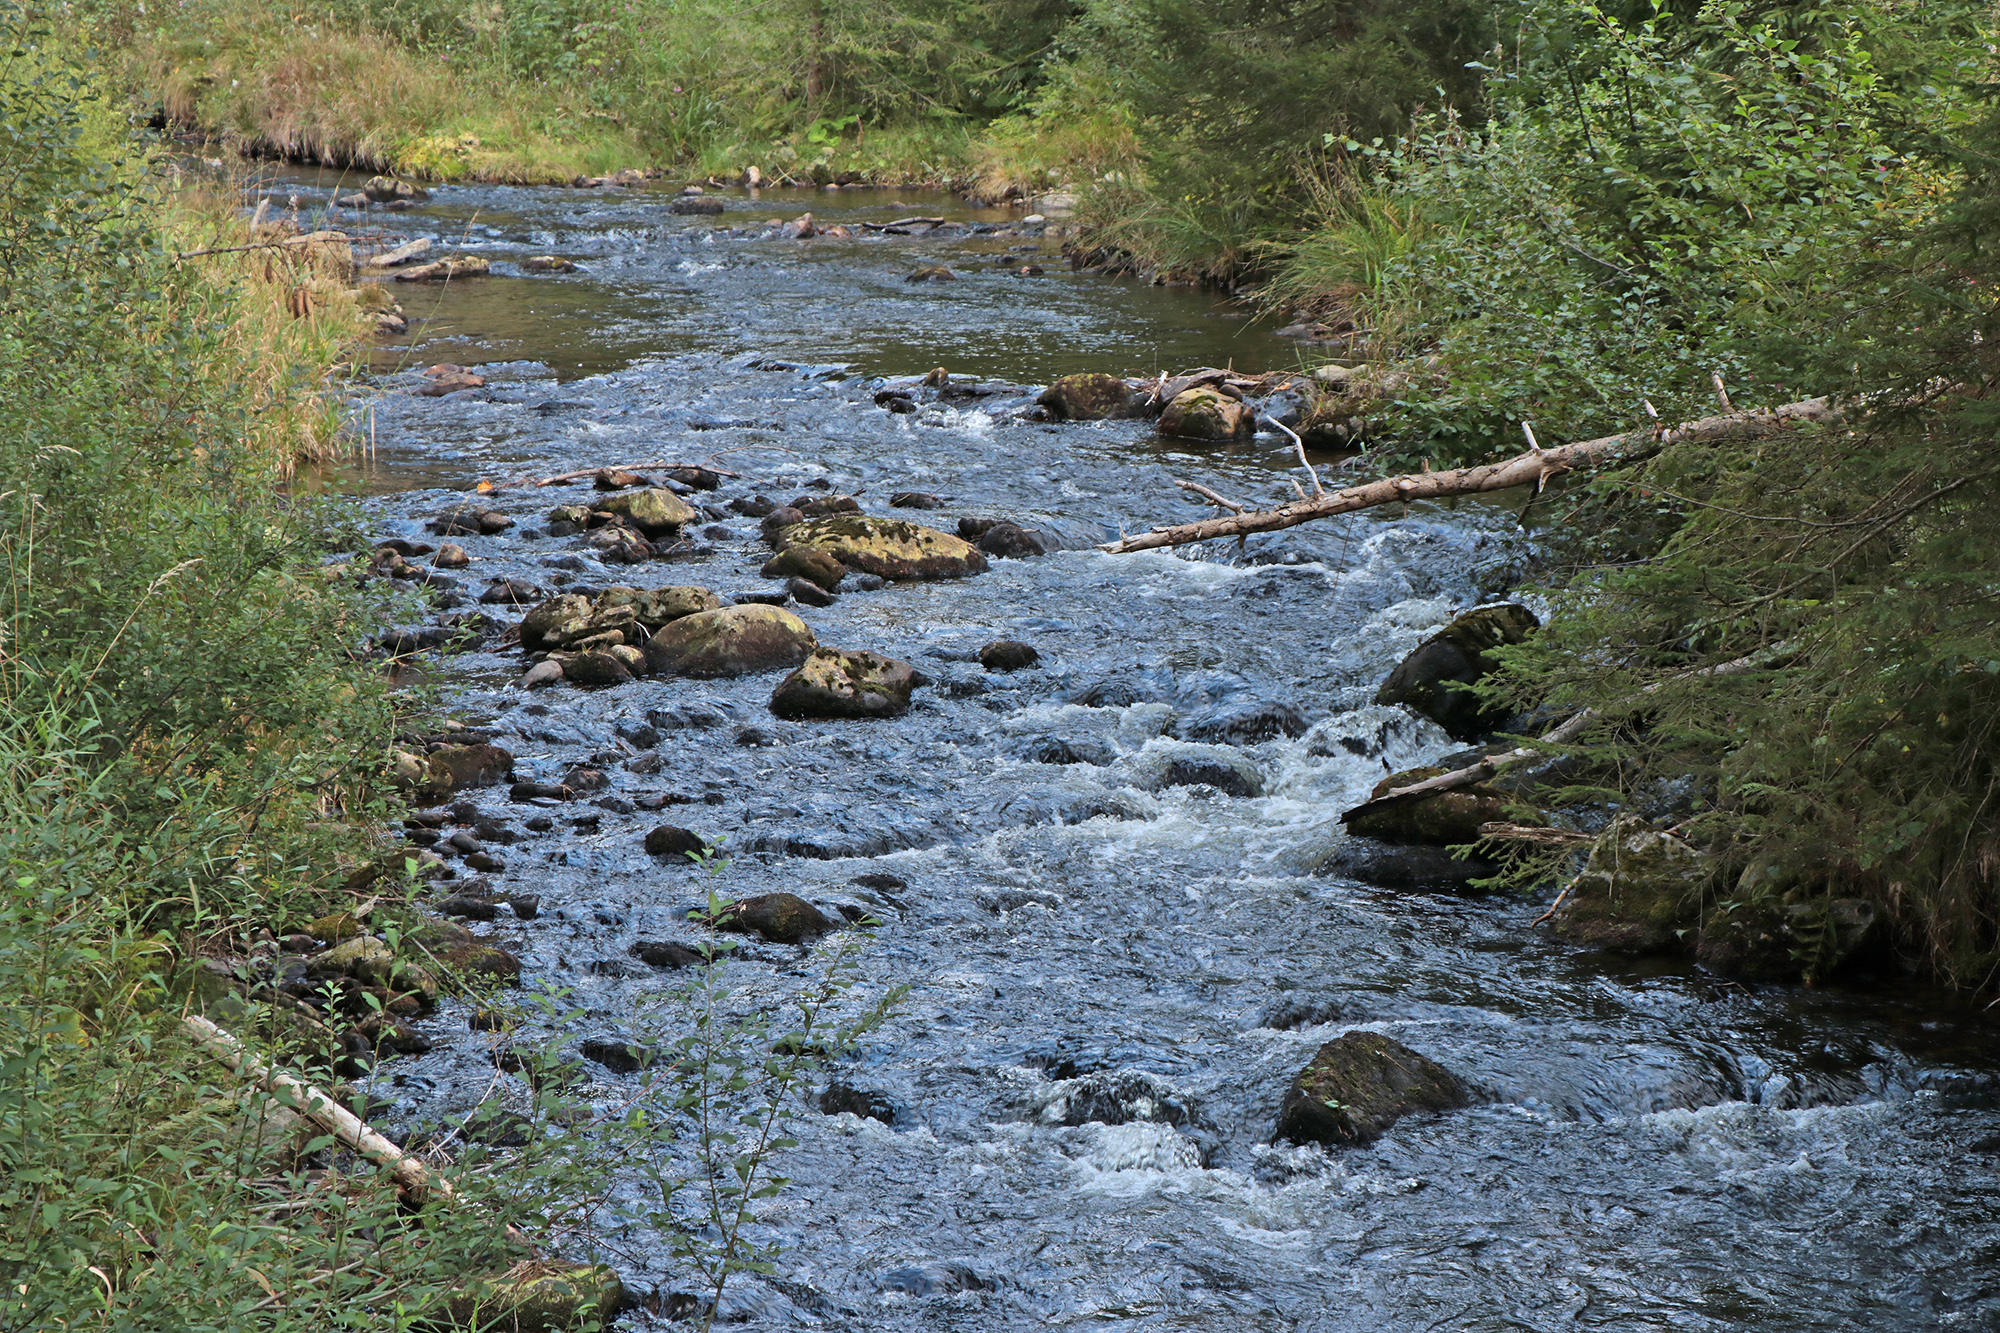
(415, 1182)
(1569, 730)
(1532, 468)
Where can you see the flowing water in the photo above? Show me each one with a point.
(1114, 976)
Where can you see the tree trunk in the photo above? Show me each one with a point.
(816, 63)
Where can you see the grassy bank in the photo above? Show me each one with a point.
(469, 93)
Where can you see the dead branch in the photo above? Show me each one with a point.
(1559, 900)
(1532, 468)
(414, 1181)
(288, 243)
(1533, 834)
(1570, 729)
(1300, 445)
(402, 254)
(1218, 501)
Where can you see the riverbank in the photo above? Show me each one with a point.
(192, 756)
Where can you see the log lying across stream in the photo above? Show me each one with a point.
(1531, 468)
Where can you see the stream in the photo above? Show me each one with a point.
(1115, 973)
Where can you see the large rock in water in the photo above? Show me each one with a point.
(1639, 891)
(1428, 679)
(1443, 819)
(655, 512)
(782, 918)
(833, 683)
(538, 627)
(806, 562)
(734, 641)
(1208, 414)
(654, 607)
(891, 548)
(1358, 1085)
(1092, 398)
(539, 1296)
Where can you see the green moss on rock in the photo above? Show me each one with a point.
(1640, 891)
(891, 548)
(733, 641)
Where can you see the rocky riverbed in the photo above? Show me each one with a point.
(1107, 861)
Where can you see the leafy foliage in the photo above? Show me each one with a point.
(1653, 205)
(1851, 566)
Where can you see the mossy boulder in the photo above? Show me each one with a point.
(1441, 819)
(1346, 405)
(538, 1296)
(1431, 678)
(1093, 397)
(733, 641)
(1207, 414)
(655, 511)
(806, 562)
(596, 669)
(1358, 1085)
(456, 767)
(1773, 940)
(481, 960)
(543, 621)
(833, 683)
(366, 958)
(782, 918)
(1640, 892)
(335, 927)
(660, 606)
(891, 548)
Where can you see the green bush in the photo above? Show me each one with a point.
(1653, 204)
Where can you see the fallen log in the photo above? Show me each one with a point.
(415, 1182)
(1534, 468)
(443, 270)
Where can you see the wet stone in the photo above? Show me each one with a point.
(672, 840)
(807, 593)
(806, 562)
(782, 918)
(843, 1098)
(666, 954)
(1360, 1084)
(619, 1056)
(1431, 680)
(837, 684)
(1008, 655)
